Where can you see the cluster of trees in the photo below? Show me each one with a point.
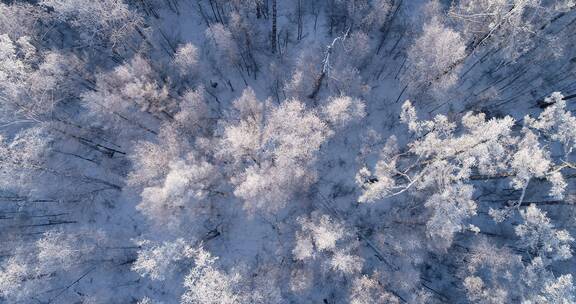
(440, 170)
(213, 151)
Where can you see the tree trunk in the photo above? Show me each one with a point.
(274, 26)
(299, 20)
(317, 86)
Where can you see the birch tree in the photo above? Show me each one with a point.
(275, 148)
(442, 160)
(510, 25)
(104, 21)
(434, 59)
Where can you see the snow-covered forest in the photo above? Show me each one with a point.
(293, 151)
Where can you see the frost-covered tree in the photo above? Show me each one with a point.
(447, 162)
(510, 25)
(488, 271)
(172, 176)
(33, 84)
(28, 158)
(320, 233)
(128, 98)
(13, 68)
(147, 300)
(189, 120)
(308, 65)
(365, 14)
(342, 62)
(539, 236)
(27, 150)
(441, 161)
(98, 21)
(434, 58)
(221, 40)
(379, 12)
(194, 118)
(556, 122)
(249, 37)
(20, 19)
(496, 275)
(160, 261)
(275, 148)
(207, 284)
(14, 273)
(335, 67)
(183, 194)
(57, 255)
(327, 254)
(561, 290)
(367, 290)
(340, 111)
(324, 238)
(174, 143)
(186, 59)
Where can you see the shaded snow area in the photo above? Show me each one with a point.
(295, 151)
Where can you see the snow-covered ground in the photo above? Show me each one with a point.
(164, 152)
